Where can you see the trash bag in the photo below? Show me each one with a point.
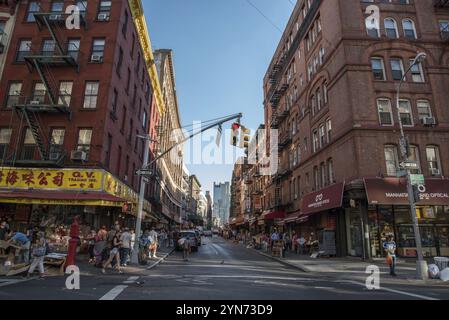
(434, 271)
(444, 275)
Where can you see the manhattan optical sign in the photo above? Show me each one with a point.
(326, 199)
(393, 191)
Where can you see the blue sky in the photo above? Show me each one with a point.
(222, 49)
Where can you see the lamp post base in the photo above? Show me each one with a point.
(422, 270)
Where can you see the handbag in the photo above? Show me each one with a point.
(389, 260)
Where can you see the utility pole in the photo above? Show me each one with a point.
(135, 255)
(421, 264)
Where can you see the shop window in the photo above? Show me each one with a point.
(391, 160)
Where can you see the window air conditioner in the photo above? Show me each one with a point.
(429, 121)
(96, 58)
(78, 155)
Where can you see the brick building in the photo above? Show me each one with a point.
(330, 91)
(73, 104)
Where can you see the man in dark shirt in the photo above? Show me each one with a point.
(3, 231)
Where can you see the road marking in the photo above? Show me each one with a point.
(131, 280)
(10, 282)
(399, 292)
(111, 295)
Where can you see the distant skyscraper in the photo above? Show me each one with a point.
(221, 201)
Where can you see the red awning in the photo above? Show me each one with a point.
(291, 218)
(326, 199)
(275, 215)
(58, 195)
(393, 191)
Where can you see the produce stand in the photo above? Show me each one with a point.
(8, 265)
(56, 260)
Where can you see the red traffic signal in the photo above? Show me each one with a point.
(235, 126)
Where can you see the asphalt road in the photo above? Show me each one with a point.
(219, 271)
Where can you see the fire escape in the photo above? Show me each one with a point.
(56, 53)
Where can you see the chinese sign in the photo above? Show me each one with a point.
(51, 179)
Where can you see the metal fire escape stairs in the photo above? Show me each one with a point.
(42, 62)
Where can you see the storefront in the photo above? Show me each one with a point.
(389, 213)
(274, 220)
(321, 212)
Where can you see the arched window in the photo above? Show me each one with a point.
(391, 28)
(409, 29)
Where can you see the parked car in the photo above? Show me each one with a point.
(208, 233)
(191, 236)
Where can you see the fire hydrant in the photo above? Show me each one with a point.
(73, 242)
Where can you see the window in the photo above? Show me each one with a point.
(114, 102)
(91, 95)
(48, 48)
(433, 160)
(315, 141)
(391, 160)
(330, 171)
(397, 69)
(56, 142)
(39, 93)
(329, 130)
(318, 95)
(144, 120)
(325, 93)
(108, 151)
(323, 174)
(29, 146)
(322, 136)
(444, 29)
(73, 48)
(82, 7)
(405, 111)
(98, 50)
(414, 156)
(125, 25)
(119, 62)
(385, 113)
(424, 110)
(84, 140)
(377, 64)
(14, 92)
(5, 138)
(57, 6)
(391, 28)
(316, 178)
(314, 110)
(104, 11)
(33, 8)
(23, 50)
(372, 28)
(417, 72)
(409, 29)
(65, 93)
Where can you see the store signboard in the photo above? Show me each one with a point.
(51, 179)
(393, 191)
(326, 199)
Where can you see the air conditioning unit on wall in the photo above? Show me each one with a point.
(78, 155)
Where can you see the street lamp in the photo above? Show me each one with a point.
(421, 264)
(135, 254)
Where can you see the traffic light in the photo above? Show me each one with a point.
(235, 134)
(245, 137)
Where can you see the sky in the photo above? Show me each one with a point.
(221, 49)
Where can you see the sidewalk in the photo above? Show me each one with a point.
(351, 268)
(87, 269)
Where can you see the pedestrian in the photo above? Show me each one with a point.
(3, 235)
(144, 244)
(114, 254)
(390, 249)
(153, 239)
(91, 239)
(301, 245)
(184, 243)
(39, 250)
(125, 248)
(21, 240)
(274, 237)
(295, 242)
(100, 247)
(133, 243)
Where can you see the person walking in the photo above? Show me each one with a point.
(114, 253)
(133, 243)
(295, 242)
(125, 248)
(21, 240)
(153, 238)
(274, 237)
(390, 249)
(39, 250)
(144, 245)
(301, 245)
(91, 239)
(184, 243)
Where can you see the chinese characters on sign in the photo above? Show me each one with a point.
(89, 180)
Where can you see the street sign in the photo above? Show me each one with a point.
(409, 165)
(143, 172)
(417, 179)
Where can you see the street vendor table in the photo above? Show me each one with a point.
(8, 266)
(56, 260)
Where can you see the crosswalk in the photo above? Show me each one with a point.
(11, 281)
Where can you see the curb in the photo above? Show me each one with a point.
(161, 259)
(288, 264)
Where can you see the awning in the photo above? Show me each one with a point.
(63, 198)
(326, 199)
(274, 215)
(292, 218)
(393, 191)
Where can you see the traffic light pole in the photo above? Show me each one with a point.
(237, 116)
